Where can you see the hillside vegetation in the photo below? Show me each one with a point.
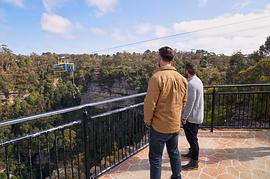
(29, 86)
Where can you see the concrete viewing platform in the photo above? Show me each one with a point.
(224, 154)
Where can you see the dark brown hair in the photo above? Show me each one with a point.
(190, 68)
(166, 53)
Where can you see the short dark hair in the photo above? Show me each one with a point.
(190, 68)
(166, 53)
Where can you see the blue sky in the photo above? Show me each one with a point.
(84, 26)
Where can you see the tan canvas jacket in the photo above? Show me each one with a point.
(165, 99)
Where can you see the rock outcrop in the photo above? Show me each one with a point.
(100, 91)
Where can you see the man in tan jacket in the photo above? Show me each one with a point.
(164, 101)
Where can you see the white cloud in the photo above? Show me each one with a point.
(241, 5)
(117, 35)
(103, 6)
(202, 3)
(142, 28)
(161, 31)
(98, 30)
(51, 5)
(222, 34)
(57, 25)
(157, 30)
(19, 3)
(78, 26)
(218, 44)
(246, 36)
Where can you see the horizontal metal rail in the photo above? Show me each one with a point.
(71, 109)
(237, 85)
(117, 110)
(70, 124)
(234, 127)
(241, 92)
(40, 133)
(66, 110)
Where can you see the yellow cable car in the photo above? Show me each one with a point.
(64, 66)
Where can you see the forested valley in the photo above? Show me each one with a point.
(28, 84)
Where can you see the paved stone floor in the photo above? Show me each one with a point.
(224, 154)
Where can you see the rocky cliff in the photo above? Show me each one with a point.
(7, 96)
(100, 91)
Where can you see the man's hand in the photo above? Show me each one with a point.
(148, 126)
(184, 121)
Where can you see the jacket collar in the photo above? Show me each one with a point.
(165, 68)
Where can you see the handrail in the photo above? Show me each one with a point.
(116, 111)
(66, 110)
(40, 133)
(75, 108)
(237, 85)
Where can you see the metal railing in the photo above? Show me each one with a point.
(237, 106)
(93, 140)
(86, 147)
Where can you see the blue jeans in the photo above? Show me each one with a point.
(156, 145)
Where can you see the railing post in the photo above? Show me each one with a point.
(213, 109)
(86, 143)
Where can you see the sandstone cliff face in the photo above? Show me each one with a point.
(7, 96)
(100, 91)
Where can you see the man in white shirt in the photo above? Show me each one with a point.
(192, 115)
